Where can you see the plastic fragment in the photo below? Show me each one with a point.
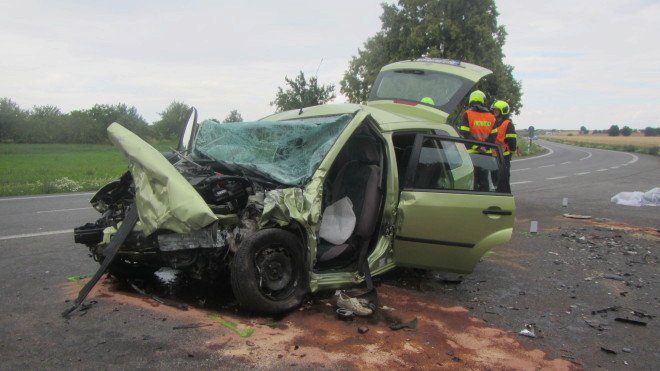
(232, 326)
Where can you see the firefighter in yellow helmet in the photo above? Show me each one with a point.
(504, 134)
(477, 122)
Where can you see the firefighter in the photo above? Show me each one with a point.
(477, 122)
(504, 135)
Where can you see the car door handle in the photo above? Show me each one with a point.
(497, 212)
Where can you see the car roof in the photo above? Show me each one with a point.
(387, 121)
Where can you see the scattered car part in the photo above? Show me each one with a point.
(130, 219)
(398, 326)
(345, 314)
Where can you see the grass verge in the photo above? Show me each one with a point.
(647, 145)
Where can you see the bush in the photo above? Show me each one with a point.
(626, 131)
(614, 131)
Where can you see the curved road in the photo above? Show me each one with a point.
(589, 178)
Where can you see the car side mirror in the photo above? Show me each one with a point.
(189, 129)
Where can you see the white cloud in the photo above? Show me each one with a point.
(581, 62)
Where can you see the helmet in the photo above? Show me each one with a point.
(477, 96)
(428, 100)
(502, 106)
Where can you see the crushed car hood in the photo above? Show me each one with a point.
(164, 198)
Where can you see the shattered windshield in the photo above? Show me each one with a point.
(287, 152)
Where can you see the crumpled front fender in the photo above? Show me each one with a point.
(164, 198)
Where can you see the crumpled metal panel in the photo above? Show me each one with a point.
(164, 198)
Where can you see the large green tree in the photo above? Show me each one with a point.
(172, 120)
(302, 93)
(105, 114)
(233, 116)
(465, 30)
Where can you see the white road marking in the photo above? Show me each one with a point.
(48, 196)
(564, 163)
(540, 167)
(635, 158)
(626, 164)
(55, 211)
(550, 151)
(602, 169)
(523, 182)
(520, 169)
(614, 167)
(27, 235)
(586, 172)
(584, 158)
(556, 177)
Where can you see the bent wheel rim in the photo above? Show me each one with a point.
(276, 272)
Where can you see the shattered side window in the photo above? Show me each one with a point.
(287, 151)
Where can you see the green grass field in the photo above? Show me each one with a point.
(54, 168)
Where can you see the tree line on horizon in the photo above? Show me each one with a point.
(48, 124)
(626, 131)
(452, 29)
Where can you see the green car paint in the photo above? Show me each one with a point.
(164, 198)
(433, 229)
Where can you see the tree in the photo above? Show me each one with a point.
(233, 116)
(104, 114)
(302, 93)
(172, 120)
(454, 29)
(12, 117)
(43, 125)
(584, 130)
(651, 132)
(614, 131)
(626, 131)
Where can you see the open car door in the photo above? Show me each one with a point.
(451, 210)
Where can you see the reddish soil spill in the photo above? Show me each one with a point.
(445, 337)
(649, 232)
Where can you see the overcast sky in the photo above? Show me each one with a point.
(589, 62)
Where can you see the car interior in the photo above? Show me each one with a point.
(357, 173)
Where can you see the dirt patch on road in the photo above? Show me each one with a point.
(445, 337)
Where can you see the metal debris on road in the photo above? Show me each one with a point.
(608, 351)
(630, 321)
(192, 325)
(398, 326)
(577, 216)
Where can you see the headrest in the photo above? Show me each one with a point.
(367, 148)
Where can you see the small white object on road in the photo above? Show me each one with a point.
(534, 227)
(564, 202)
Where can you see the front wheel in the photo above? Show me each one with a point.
(268, 273)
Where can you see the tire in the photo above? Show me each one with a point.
(268, 274)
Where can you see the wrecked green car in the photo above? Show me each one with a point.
(318, 198)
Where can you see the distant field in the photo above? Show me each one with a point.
(54, 168)
(633, 143)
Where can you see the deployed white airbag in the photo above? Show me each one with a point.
(338, 222)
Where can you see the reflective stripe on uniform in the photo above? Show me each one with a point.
(514, 135)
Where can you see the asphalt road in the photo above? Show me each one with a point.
(37, 253)
(588, 178)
